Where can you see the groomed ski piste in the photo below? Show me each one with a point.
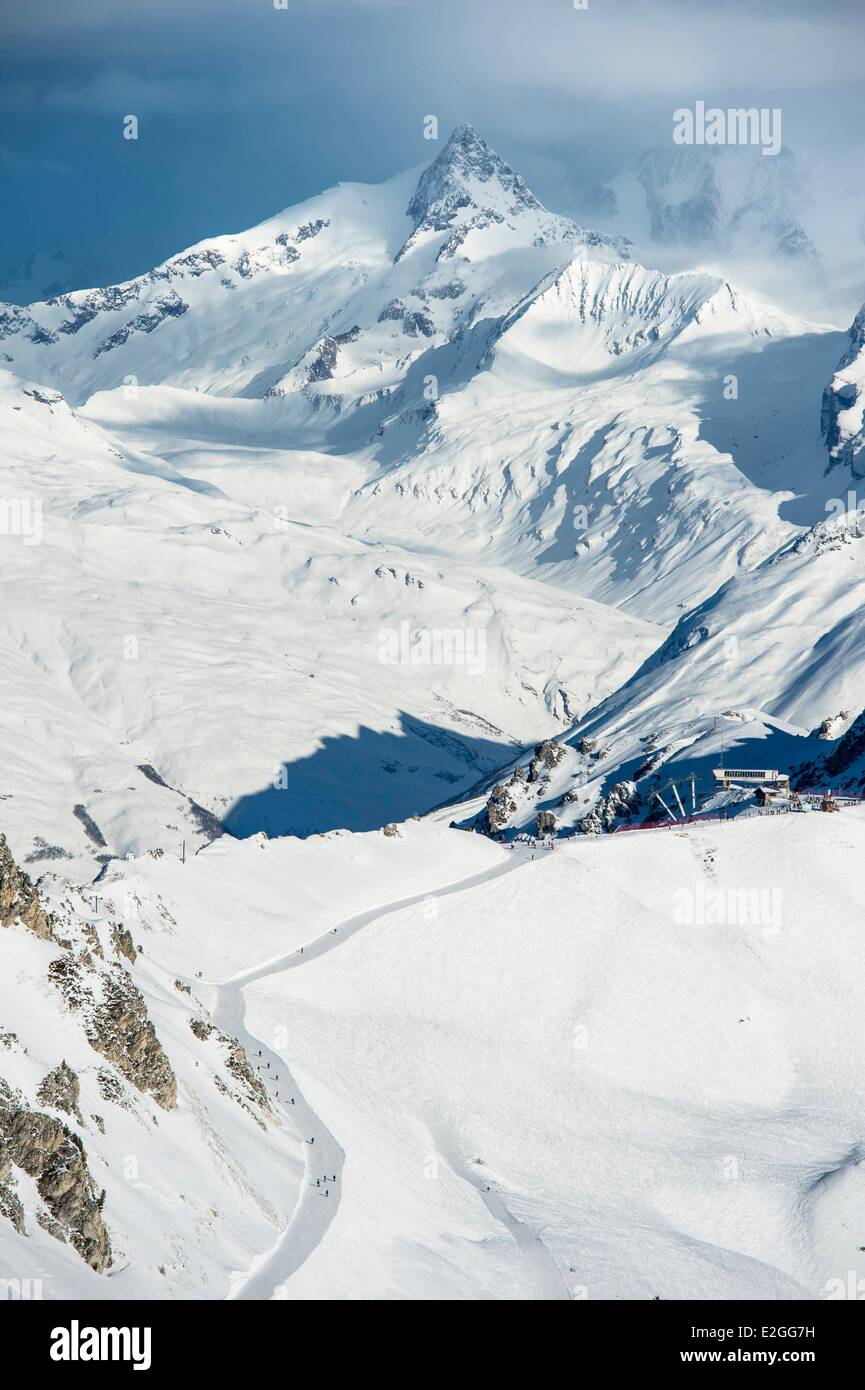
(624, 1068)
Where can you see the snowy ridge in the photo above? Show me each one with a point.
(843, 418)
(417, 510)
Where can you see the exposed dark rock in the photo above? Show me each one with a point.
(48, 398)
(238, 1064)
(500, 806)
(195, 263)
(121, 941)
(252, 1095)
(50, 1153)
(622, 802)
(61, 1091)
(322, 365)
(19, 900)
(546, 823)
(452, 290)
(414, 321)
(851, 748)
(116, 1024)
(547, 756)
(311, 229)
(166, 306)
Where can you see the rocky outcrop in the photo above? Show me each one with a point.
(622, 802)
(833, 727)
(238, 1064)
(252, 1095)
(546, 823)
(498, 810)
(53, 1156)
(842, 416)
(547, 756)
(850, 752)
(163, 307)
(61, 1091)
(116, 1024)
(19, 900)
(121, 941)
(843, 767)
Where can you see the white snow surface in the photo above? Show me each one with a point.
(320, 527)
(544, 1077)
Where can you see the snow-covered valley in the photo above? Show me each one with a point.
(361, 571)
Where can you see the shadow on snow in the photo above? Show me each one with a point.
(360, 783)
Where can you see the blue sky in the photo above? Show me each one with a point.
(245, 108)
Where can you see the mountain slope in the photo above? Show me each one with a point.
(483, 367)
(759, 675)
(360, 682)
(843, 418)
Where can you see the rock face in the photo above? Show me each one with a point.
(697, 196)
(833, 727)
(253, 1093)
(469, 187)
(843, 409)
(60, 1090)
(547, 756)
(844, 767)
(50, 1153)
(546, 823)
(498, 810)
(621, 803)
(116, 1024)
(850, 751)
(121, 940)
(19, 900)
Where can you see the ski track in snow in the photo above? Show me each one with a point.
(313, 1212)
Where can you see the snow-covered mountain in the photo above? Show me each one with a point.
(720, 197)
(417, 504)
(844, 403)
(467, 1036)
(756, 676)
(48, 271)
(155, 604)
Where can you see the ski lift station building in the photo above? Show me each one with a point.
(752, 777)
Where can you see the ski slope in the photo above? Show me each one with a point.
(250, 501)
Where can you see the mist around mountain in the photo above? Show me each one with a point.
(412, 541)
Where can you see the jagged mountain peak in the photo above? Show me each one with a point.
(843, 411)
(467, 171)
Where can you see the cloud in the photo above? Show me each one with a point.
(277, 104)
